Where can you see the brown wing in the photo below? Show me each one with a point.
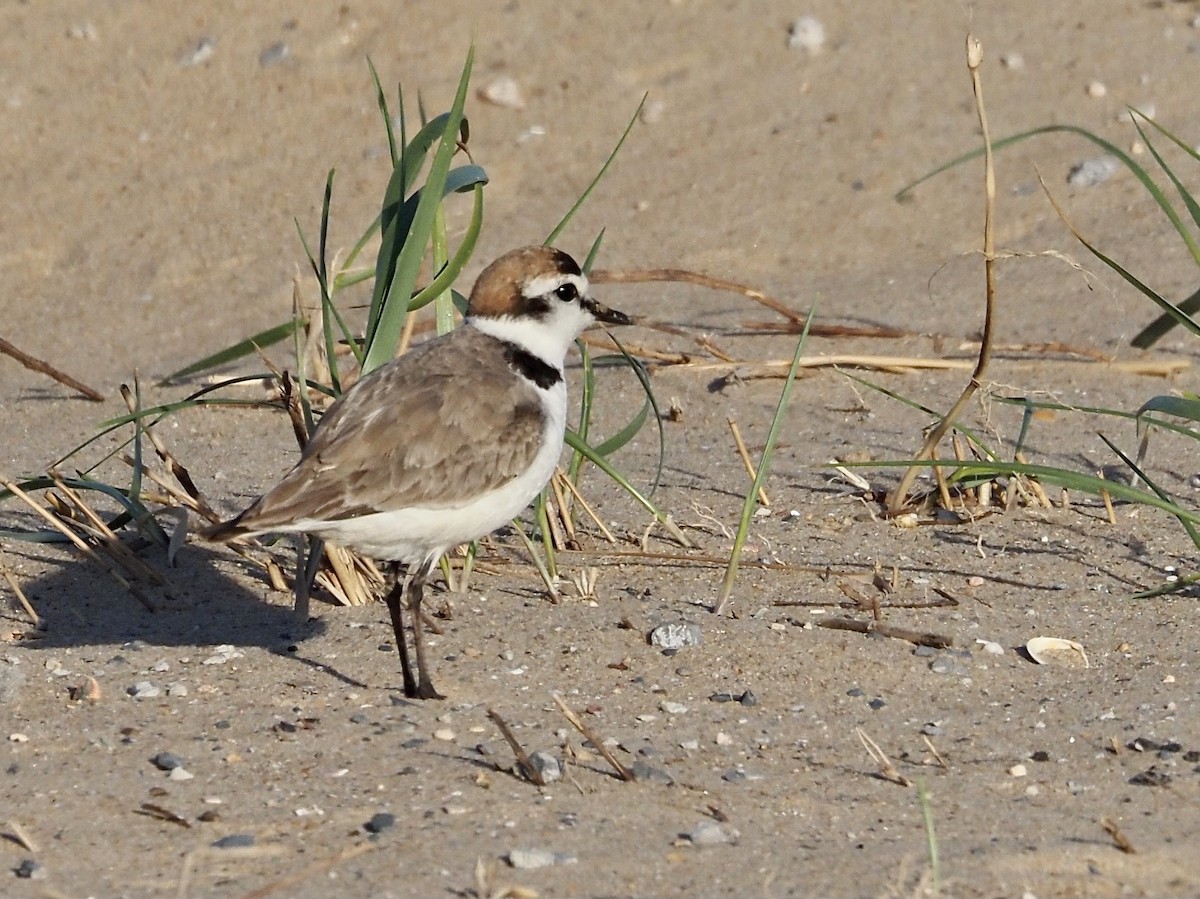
(420, 431)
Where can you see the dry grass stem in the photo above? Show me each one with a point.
(591, 513)
(622, 772)
(80, 544)
(899, 496)
(1108, 503)
(34, 364)
(563, 506)
(942, 763)
(20, 836)
(746, 460)
(1119, 839)
(20, 594)
(886, 769)
(528, 771)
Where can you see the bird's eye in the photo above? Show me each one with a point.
(568, 293)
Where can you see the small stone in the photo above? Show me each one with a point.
(180, 774)
(948, 665)
(748, 699)
(234, 841)
(177, 689)
(1093, 171)
(12, 679)
(1151, 777)
(643, 772)
(1013, 61)
(144, 690)
(723, 739)
(932, 730)
(277, 52)
(708, 833)
(28, 869)
(1017, 771)
(531, 859)
(675, 636)
(1096, 90)
(503, 91)
(18, 738)
(445, 734)
(673, 708)
(689, 745)
(806, 33)
(1040, 755)
(202, 52)
(380, 822)
(167, 761)
(876, 704)
(548, 767)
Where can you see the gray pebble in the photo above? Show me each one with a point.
(29, 870)
(529, 859)
(1093, 171)
(708, 833)
(924, 652)
(948, 665)
(644, 772)
(546, 765)
(277, 52)
(235, 841)
(932, 730)
(675, 635)
(167, 761)
(380, 822)
(144, 690)
(12, 679)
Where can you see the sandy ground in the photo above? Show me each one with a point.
(155, 157)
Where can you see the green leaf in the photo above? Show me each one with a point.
(243, 348)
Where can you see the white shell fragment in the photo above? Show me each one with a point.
(1057, 651)
(503, 91)
(806, 33)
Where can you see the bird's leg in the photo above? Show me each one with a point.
(416, 590)
(395, 602)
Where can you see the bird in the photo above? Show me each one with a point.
(444, 444)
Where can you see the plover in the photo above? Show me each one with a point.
(445, 444)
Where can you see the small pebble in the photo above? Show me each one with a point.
(28, 869)
(144, 690)
(689, 745)
(1093, 171)
(1151, 777)
(167, 761)
(948, 665)
(18, 738)
(675, 636)
(503, 91)
(643, 772)
(202, 52)
(180, 774)
(12, 679)
(1096, 90)
(546, 765)
(1012, 61)
(531, 859)
(708, 833)
(723, 739)
(673, 708)
(277, 52)
(234, 841)
(380, 822)
(177, 689)
(806, 33)
(444, 734)
(1017, 771)
(748, 699)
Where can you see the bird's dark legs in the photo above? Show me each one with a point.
(415, 589)
(395, 604)
(420, 687)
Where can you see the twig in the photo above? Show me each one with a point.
(1122, 842)
(900, 495)
(622, 772)
(1108, 504)
(937, 755)
(532, 774)
(937, 641)
(587, 507)
(746, 460)
(45, 368)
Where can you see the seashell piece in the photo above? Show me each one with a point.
(1057, 651)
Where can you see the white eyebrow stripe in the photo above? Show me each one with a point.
(544, 284)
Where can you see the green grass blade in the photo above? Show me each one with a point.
(1158, 491)
(1153, 332)
(558, 229)
(751, 500)
(452, 269)
(1184, 194)
(1185, 407)
(386, 336)
(239, 350)
(381, 101)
